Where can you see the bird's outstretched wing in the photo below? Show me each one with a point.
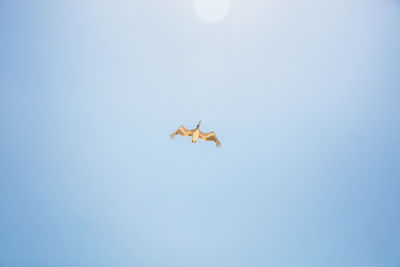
(182, 131)
(210, 137)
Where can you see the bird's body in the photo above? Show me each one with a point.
(196, 134)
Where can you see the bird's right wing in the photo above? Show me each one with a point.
(210, 137)
(182, 131)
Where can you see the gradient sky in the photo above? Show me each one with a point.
(304, 96)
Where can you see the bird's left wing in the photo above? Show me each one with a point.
(182, 131)
(210, 137)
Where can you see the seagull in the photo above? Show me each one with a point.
(196, 134)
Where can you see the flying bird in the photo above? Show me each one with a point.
(197, 134)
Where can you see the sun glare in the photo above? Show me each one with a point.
(212, 11)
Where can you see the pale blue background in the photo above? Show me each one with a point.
(304, 96)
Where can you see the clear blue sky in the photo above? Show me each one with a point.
(304, 96)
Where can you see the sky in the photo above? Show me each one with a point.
(303, 95)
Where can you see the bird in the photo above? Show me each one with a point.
(197, 134)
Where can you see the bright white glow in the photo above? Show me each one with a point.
(212, 11)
